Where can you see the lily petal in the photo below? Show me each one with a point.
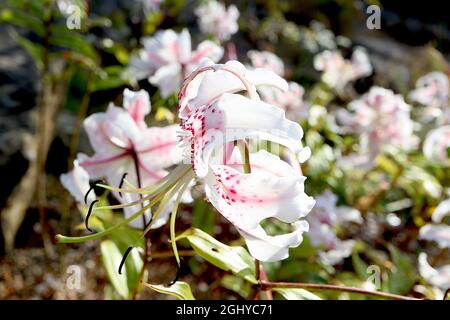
(77, 183)
(247, 199)
(226, 81)
(137, 104)
(439, 277)
(436, 232)
(442, 210)
(235, 117)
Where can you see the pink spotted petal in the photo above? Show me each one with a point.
(233, 117)
(272, 190)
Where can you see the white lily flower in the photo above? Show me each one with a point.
(437, 145)
(438, 277)
(337, 71)
(324, 217)
(381, 118)
(167, 58)
(215, 116)
(432, 90)
(440, 233)
(216, 20)
(123, 144)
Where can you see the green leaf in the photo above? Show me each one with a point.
(228, 258)
(72, 40)
(111, 257)
(203, 216)
(22, 19)
(404, 276)
(179, 289)
(133, 267)
(360, 266)
(35, 50)
(296, 294)
(110, 77)
(236, 284)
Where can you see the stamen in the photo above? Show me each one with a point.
(182, 172)
(446, 294)
(90, 189)
(86, 221)
(122, 262)
(121, 183)
(177, 275)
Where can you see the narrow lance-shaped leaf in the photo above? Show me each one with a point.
(234, 259)
(179, 289)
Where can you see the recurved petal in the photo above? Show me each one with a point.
(235, 117)
(206, 49)
(137, 103)
(77, 183)
(439, 277)
(168, 79)
(442, 210)
(273, 248)
(226, 81)
(272, 190)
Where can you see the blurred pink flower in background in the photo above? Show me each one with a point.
(380, 118)
(324, 218)
(337, 71)
(267, 60)
(291, 100)
(215, 19)
(123, 143)
(432, 91)
(167, 58)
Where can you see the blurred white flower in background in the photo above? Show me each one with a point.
(167, 58)
(437, 145)
(150, 5)
(267, 60)
(432, 91)
(380, 118)
(437, 277)
(337, 72)
(215, 19)
(323, 220)
(290, 100)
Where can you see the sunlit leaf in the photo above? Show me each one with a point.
(228, 258)
(296, 294)
(236, 284)
(111, 257)
(179, 289)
